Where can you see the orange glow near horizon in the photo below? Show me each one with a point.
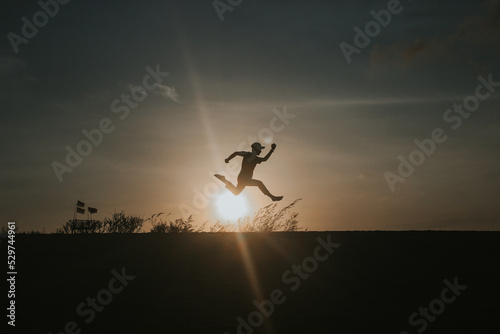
(231, 207)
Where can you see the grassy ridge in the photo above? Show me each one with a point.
(200, 282)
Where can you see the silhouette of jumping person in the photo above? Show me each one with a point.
(250, 160)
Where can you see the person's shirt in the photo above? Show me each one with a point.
(248, 164)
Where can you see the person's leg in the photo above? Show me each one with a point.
(239, 188)
(229, 186)
(262, 187)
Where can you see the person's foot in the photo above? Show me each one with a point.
(277, 198)
(221, 177)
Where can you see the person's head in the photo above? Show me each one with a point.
(257, 148)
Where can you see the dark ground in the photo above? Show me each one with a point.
(198, 283)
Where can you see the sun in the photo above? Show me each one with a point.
(231, 207)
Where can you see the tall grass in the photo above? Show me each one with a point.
(79, 226)
(4, 230)
(266, 219)
(162, 225)
(119, 222)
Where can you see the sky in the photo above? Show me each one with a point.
(167, 90)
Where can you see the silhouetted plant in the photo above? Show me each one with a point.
(291, 224)
(81, 226)
(32, 232)
(120, 223)
(4, 230)
(266, 219)
(220, 227)
(162, 225)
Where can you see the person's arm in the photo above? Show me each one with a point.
(273, 147)
(234, 155)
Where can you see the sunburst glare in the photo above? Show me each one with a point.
(231, 207)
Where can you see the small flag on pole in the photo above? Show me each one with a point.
(80, 204)
(92, 210)
(80, 210)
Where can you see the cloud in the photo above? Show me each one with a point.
(476, 37)
(10, 65)
(13, 70)
(169, 92)
(15, 77)
(166, 91)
